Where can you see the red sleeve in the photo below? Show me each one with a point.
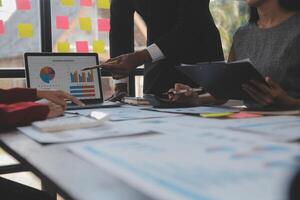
(17, 95)
(20, 114)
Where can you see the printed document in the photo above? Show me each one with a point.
(208, 164)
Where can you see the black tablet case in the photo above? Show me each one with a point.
(223, 80)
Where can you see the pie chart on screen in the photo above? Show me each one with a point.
(47, 74)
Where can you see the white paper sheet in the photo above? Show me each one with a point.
(109, 130)
(280, 128)
(196, 110)
(125, 113)
(212, 164)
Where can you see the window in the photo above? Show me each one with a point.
(82, 26)
(229, 16)
(19, 33)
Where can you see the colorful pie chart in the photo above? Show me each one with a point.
(47, 74)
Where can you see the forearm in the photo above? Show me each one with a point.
(17, 95)
(22, 114)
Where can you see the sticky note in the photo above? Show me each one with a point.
(23, 4)
(244, 115)
(98, 46)
(85, 23)
(82, 47)
(62, 22)
(2, 30)
(103, 4)
(87, 3)
(25, 30)
(103, 25)
(63, 47)
(67, 2)
(216, 115)
(1, 3)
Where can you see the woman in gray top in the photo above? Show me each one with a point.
(271, 40)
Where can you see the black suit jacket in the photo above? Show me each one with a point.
(183, 29)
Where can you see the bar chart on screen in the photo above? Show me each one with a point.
(82, 84)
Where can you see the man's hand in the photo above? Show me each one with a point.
(188, 98)
(121, 66)
(58, 97)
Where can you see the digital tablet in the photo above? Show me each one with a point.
(223, 80)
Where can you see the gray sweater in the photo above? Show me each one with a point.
(275, 52)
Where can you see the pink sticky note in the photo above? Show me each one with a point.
(244, 115)
(86, 3)
(1, 27)
(23, 5)
(62, 22)
(82, 47)
(103, 25)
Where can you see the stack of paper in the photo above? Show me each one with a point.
(208, 165)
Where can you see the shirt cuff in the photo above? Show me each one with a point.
(155, 53)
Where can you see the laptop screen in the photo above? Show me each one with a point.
(63, 72)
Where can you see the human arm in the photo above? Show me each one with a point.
(17, 95)
(23, 113)
(191, 98)
(28, 95)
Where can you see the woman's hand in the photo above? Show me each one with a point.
(55, 110)
(269, 94)
(58, 97)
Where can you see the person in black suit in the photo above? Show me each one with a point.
(178, 31)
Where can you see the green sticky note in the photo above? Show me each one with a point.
(98, 46)
(85, 23)
(25, 30)
(63, 47)
(216, 115)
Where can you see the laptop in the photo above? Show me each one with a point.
(62, 71)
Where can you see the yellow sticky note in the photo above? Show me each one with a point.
(85, 24)
(216, 115)
(25, 30)
(1, 3)
(98, 46)
(63, 47)
(103, 4)
(67, 2)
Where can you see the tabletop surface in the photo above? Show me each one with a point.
(69, 174)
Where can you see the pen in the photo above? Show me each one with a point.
(198, 90)
(98, 66)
